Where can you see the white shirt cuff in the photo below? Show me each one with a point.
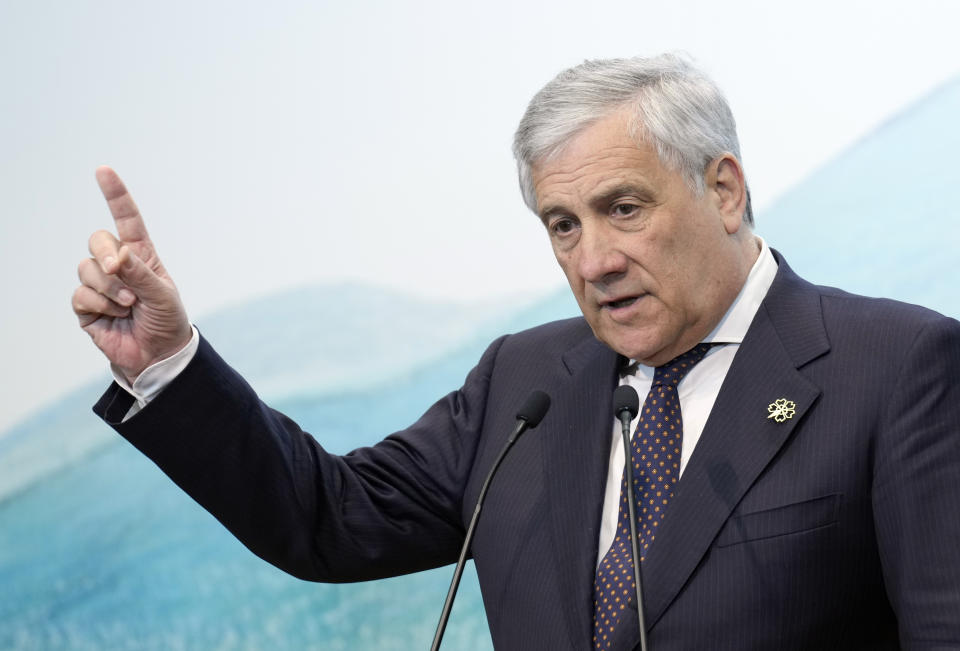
(156, 377)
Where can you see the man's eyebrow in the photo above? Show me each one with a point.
(603, 198)
(549, 212)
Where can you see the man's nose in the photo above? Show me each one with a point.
(601, 258)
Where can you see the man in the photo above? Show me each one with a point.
(819, 442)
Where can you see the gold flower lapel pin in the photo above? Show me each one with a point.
(781, 409)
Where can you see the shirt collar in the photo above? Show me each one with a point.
(734, 324)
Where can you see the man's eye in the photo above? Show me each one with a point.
(625, 209)
(562, 226)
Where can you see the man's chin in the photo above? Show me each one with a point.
(634, 347)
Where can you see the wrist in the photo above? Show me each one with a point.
(147, 382)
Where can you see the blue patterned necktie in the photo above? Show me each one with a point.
(655, 456)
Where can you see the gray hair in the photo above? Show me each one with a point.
(679, 110)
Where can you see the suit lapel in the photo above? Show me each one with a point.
(738, 440)
(575, 466)
(737, 443)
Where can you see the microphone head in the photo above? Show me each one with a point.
(625, 399)
(534, 408)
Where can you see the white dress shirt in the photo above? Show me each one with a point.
(698, 390)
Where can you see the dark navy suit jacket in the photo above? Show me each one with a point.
(838, 528)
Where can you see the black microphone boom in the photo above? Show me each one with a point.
(626, 405)
(529, 416)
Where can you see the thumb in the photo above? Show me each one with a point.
(144, 282)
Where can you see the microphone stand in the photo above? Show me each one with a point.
(627, 406)
(632, 506)
(529, 416)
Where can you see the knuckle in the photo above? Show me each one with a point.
(76, 301)
(86, 301)
(95, 237)
(100, 240)
(84, 267)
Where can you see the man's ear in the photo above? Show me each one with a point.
(726, 183)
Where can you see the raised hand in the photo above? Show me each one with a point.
(126, 301)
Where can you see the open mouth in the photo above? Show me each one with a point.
(623, 302)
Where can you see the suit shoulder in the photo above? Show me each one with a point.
(559, 335)
(797, 307)
(884, 330)
(544, 345)
(842, 306)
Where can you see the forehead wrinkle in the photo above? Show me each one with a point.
(625, 179)
(571, 174)
(569, 160)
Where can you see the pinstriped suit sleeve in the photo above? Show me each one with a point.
(916, 491)
(385, 510)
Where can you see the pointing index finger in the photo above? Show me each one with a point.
(126, 215)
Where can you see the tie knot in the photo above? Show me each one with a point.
(677, 368)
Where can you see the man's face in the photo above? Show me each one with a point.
(652, 266)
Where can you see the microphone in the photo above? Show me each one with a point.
(534, 409)
(626, 405)
(529, 416)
